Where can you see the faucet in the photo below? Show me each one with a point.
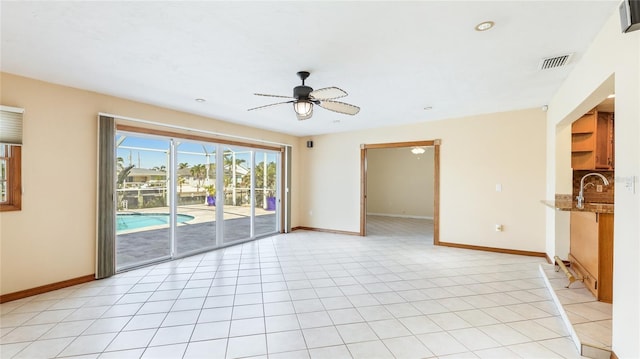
(580, 197)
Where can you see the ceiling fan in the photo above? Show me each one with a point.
(304, 97)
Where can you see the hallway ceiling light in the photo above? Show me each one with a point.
(485, 25)
(417, 150)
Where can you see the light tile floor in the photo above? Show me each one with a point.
(590, 318)
(391, 294)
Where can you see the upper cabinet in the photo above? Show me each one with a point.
(592, 141)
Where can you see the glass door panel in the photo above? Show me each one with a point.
(143, 216)
(196, 197)
(266, 201)
(237, 198)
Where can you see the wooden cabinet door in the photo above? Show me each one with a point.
(605, 257)
(584, 240)
(591, 251)
(592, 141)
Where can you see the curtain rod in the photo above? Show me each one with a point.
(191, 129)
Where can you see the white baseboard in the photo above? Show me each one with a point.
(398, 215)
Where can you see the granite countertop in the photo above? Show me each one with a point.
(562, 203)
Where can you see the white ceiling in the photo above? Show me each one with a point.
(393, 58)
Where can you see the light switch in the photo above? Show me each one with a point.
(630, 184)
(498, 187)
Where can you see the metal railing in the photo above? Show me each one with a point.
(137, 198)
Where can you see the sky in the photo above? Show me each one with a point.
(132, 151)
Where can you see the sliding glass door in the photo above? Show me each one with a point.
(196, 197)
(266, 192)
(143, 232)
(237, 194)
(178, 197)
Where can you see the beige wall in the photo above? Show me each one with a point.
(53, 237)
(476, 154)
(400, 183)
(611, 62)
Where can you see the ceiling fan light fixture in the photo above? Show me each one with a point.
(303, 107)
(304, 97)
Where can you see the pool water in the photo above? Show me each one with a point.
(141, 220)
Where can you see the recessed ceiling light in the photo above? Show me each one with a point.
(200, 100)
(484, 26)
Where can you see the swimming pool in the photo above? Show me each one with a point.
(140, 220)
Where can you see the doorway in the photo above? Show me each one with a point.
(395, 208)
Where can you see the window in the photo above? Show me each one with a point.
(10, 158)
(10, 178)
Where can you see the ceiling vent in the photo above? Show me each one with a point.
(553, 62)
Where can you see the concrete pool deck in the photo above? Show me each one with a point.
(137, 246)
(201, 213)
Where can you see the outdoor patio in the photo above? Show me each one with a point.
(144, 244)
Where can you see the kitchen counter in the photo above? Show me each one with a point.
(569, 205)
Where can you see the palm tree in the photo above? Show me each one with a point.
(198, 171)
(123, 174)
(229, 178)
(181, 181)
(120, 163)
(228, 161)
(271, 175)
(267, 188)
(183, 165)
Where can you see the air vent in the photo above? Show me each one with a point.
(553, 62)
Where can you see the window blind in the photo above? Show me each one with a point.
(11, 125)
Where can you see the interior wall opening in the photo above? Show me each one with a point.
(401, 190)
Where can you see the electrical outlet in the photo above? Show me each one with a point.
(599, 188)
(498, 228)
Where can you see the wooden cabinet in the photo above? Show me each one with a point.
(591, 252)
(592, 141)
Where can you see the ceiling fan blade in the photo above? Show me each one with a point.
(273, 104)
(267, 95)
(327, 93)
(340, 107)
